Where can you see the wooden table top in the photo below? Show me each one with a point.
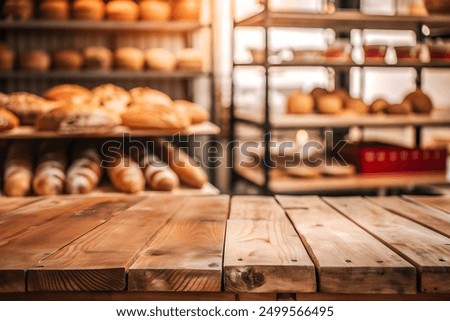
(225, 248)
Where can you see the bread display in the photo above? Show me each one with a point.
(54, 9)
(299, 102)
(316, 93)
(85, 171)
(18, 9)
(82, 119)
(122, 10)
(330, 104)
(129, 58)
(67, 93)
(194, 112)
(125, 174)
(49, 176)
(88, 10)
(186, 10)
(148, 96)
(400, 109)
(189, 59)
(378, 106)
(34, 60)
(356, 106)
(155, 10)
(189, 172)
(18, 172)
(98, 58)
(28, 107)
(154, 116)
(421, 103)
(160, 59)
(68, 60)
(8, 120)
(112, 98)
(7, 58)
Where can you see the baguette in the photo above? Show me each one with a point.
(158, 175)
(125, 174)
(18, 169)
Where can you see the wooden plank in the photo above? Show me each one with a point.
(99, 260)
(432, 218)
(263, 253)
(20, 251)
(427, 250)
(8, 204)
(440, 202)
(186, 254)
(348, 259)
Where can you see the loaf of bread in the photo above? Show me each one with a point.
(34, 60)
(188, 171)
(68, 60)
(299, 102)
(154, 116)
(71, 94)
(112, 98)
(8, 120)
(83, 119)
(54, 9)
(356, 106)
(18, 9)
(378, 106)
(342, 93)
(316, 93)
(4, 99)
(7, 58)
(98, 58)
(125, 174)
(421, 102)
(404, 108)
(155, 10)
(160, 59)
(88, 10)
(129, 58)
(189, 59)
(186, 10)
(85, 171)
(28, 107)
(195, 113)
(50, 174)
(18, 172)
(330, 104)
(122, 10)
(148, 96)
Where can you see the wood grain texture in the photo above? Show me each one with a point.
(8, 204)
(440, 202)
(348, 259)
(186, 254)
(427, 250)
(256, 208)
(99, 260)
(44, 236)
(430, 217)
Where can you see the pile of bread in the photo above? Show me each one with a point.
(339, 102)
(75, 109)
(56, 167)
(102, 58)
(96, 10)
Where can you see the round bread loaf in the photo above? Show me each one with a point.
(8, 120)
(148, 96)
(54, 10)
(342, 93)
(404, 108)
(88, 10)
(111, 97)
(34, 60)
(186, 10)
(195, 113)
(299, 102)
(98, 58)
(160, 59)
(421, 103)
(68, 60)
(379, 106)
(330, 104)
(357, 106)
(155, 10)
(72, 94)
(189, 59)
(129, 58)
(122, 10)
(7, 59)
(18, 9)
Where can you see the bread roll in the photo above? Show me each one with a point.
(19, 9)
(155, 10)
(357, 106)
(71, 94)
(83, 119)
(7, 59)
(54, 10)
(342, 93)
(89, 10)
(195, 113)
(49, 176)
(160, 59)
(122, 11)
(8, 120)
(18, 169)
(330, 104)
(154, 117)
(190, 60)
(148, 96)
(299, 102)
(125, 174)
(34, 60)
(112, 98)
(158, 175)
(378, 106)
(186, 10)
(128, 58)
(316, 93)
(4, 99)
(421, 103)
(98, 58)
(399, 109)
(28, 107)
(186, 169)
(85, 171)
(68, 60)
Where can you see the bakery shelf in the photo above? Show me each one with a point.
(343, 20)
(26, 132)
(281, 183)
(112, 26)
(351, 64)
(287, 121)
(115, 74)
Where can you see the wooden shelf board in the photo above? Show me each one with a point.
(283, 183)
(26, 132)
(113, 26)
(287, 121)
(350, 64)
